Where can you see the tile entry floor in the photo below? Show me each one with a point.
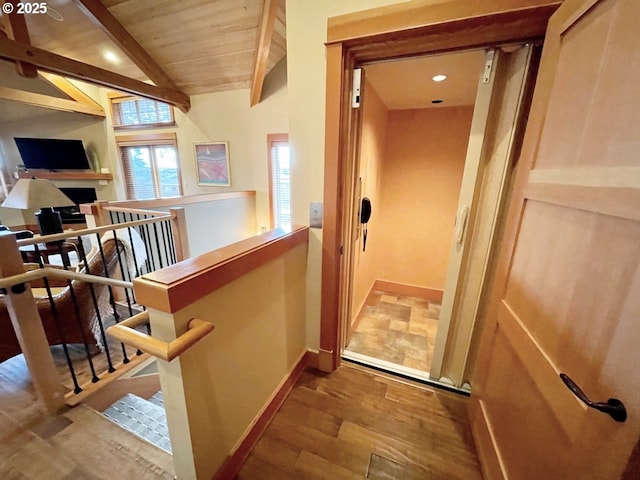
(397, 329)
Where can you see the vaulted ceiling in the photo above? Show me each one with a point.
(186, 46)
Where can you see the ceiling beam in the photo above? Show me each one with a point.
(54, 63)
(267, 23)
(102, 17)
(45, 101)
(65, 86)
(16, 29)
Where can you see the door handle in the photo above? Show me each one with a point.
(612, 407)
(462, 224)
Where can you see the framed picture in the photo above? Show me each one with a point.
(212, 164)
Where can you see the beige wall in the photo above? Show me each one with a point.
(422, 173)
(225, 116)
(306, 77)
(226, 221)
(372, 149)
(411, 165)
(27, 121)
(214, 391)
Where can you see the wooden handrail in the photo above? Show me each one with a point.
(176, 286)
(179, 201)
(89, 231)
(60, 273)
(135, 211)
(125, 332)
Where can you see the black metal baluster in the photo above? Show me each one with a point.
(122, 274)
(150, 264)
(166, 242)
(96, 307)
(135, 260)
(138, 228)
(173, 246)
(146, 247)
(159, 250)
(149, 247)
(125, 358)
(76, 309)
(54, 311)
(133, 252)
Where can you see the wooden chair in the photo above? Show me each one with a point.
(72, 326)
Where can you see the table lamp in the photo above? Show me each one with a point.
(40, 194)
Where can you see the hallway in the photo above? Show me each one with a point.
(352, 424)
(356, 424)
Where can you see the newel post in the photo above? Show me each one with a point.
(179, 232)
(28, 328)
(95, 214)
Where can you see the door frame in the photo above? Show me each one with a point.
(407, 29)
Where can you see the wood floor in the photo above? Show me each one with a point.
(76, 445)
(13, 367)
(355, 424)
(351, 424)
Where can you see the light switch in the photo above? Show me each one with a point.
(315, 214)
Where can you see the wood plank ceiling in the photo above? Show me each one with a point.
(203, 46)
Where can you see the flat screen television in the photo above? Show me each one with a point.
(52, 154)
(78, 196)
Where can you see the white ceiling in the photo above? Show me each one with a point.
(407, 83)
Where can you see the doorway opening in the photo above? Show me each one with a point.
(415, 123)
(424, 153)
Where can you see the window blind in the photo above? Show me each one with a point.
(150, 170)
(280, 184)
(135, 112)
(138, 172)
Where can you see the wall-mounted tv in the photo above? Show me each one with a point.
(52, 154)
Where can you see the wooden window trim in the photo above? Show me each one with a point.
(146, 138)
(271, 139)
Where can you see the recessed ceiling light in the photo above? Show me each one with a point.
(111, 57)
(53, 13)
(439, 78)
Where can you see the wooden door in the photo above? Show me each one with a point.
(567, 295)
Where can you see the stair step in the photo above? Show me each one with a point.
(141, 417)
(157, 399)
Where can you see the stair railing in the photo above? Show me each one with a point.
(126, 332)
(175, 229)
(74, 304)
(27, 323)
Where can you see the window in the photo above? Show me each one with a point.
(136, 112)
(150, 165)
(279, 180)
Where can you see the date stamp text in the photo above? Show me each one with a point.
(30, 8)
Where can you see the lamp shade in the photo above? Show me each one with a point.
(35, 193)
